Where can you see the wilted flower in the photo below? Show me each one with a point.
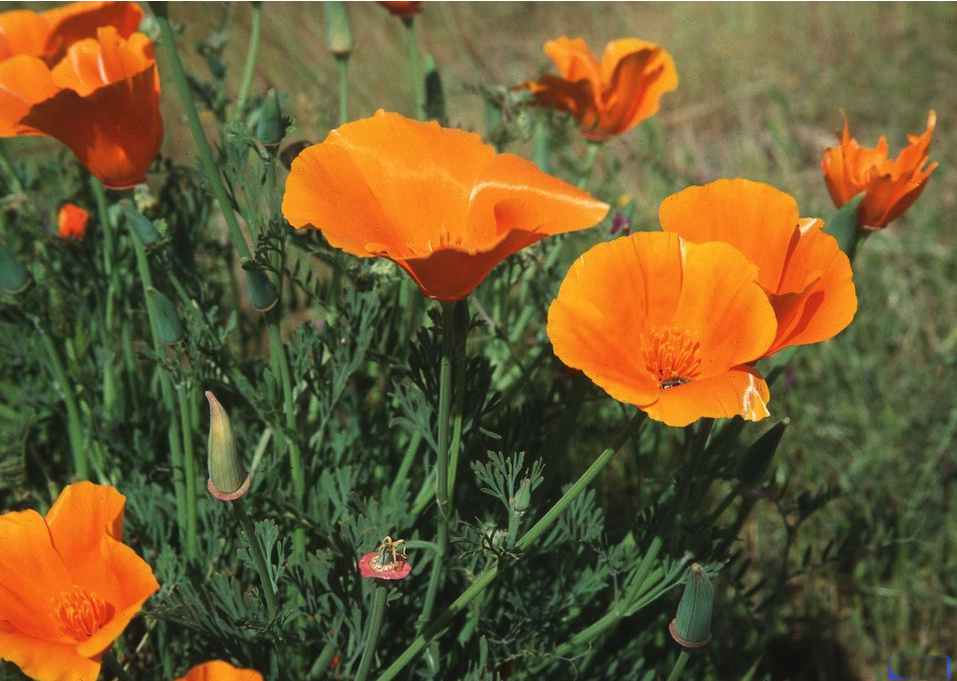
(386, 562)
(610, 97)
(438, 202)
(667, 325)
(891, 186)
(807, 277)
(101, 100)
(220, 671)
(68, 584)
(71, 221)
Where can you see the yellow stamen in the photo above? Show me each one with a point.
(80, 614)
(672, 355)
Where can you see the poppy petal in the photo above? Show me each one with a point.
(24, 81)
(736, 392)
(220, 671)
(45, 660)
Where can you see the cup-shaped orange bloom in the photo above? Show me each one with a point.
(404, 9)
(101, 100)
(438, 202)
(71, 222)
(667, 325)
(803, 270)
(48, 34)
(610, 97)
(891, 186)
(220, 671)
(68, 584)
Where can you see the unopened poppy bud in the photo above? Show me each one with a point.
(228, 479)
(13, 278)
(168, 326)
(270, 129)
(262, 294)
(691, 628)
(756, 461)
(523, 497)
(339, 38)
(141, 225)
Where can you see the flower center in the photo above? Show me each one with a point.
(80, 614)
(672, 355)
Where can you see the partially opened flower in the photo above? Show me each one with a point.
(667, 325)
(220, 671)
(48, 34)
(438, 202)
(101, 100)
(610, 97)
(891, 186)
(805, 273)
(68, 584)
(71, 221)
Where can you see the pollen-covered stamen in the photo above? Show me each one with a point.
(672, 355)
(80, 614)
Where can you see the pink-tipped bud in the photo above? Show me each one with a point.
(228, 479)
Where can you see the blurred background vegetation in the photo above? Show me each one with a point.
(762, 87)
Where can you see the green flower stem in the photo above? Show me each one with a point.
(342, 67)
(375, 624)
(205, 153)
(189, 470)
(323, 662)
(415, 67)
(529, 538)
(679, 666)
(81, 467)
(257, 552)
(281, 367)
(443, 507)
(458, 356)
(590, 155)
(166, 391)
(109, 659)
(254, 33)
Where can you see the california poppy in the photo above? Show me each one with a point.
(68, 584)
(401, 8)
(802, 269)
(610, 97)
(667, 325)
(438, 202)
(386, 562)
(891, 186)
(48, 34)
(101, 100)
(71, 222)
(218, 670)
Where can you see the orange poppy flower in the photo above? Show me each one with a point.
(807, 277)
(611, 97)
(667, 325)
(438, 202)
(891, 186)
(220, 671)
(71, 221)
(402, 9)
(68, 584)
(101, 100)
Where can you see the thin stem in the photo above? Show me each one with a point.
(342, 67)
(375, 624)
(489, 574)
(205, 153)
(257, 552)
(415, 67)
(189, 472)
(74, 430)
(254, 32)
(458, 356)
(679, 666)
(590, 155)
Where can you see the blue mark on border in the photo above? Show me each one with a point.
(895, 676)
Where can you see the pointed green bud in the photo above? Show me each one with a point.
(142, 226)
(691, 628)
(339, 38)
(756, 461)
(13, 278)
(167, 321)
(523, 497)
(228, 479)
(270, 129)
(262, 294)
